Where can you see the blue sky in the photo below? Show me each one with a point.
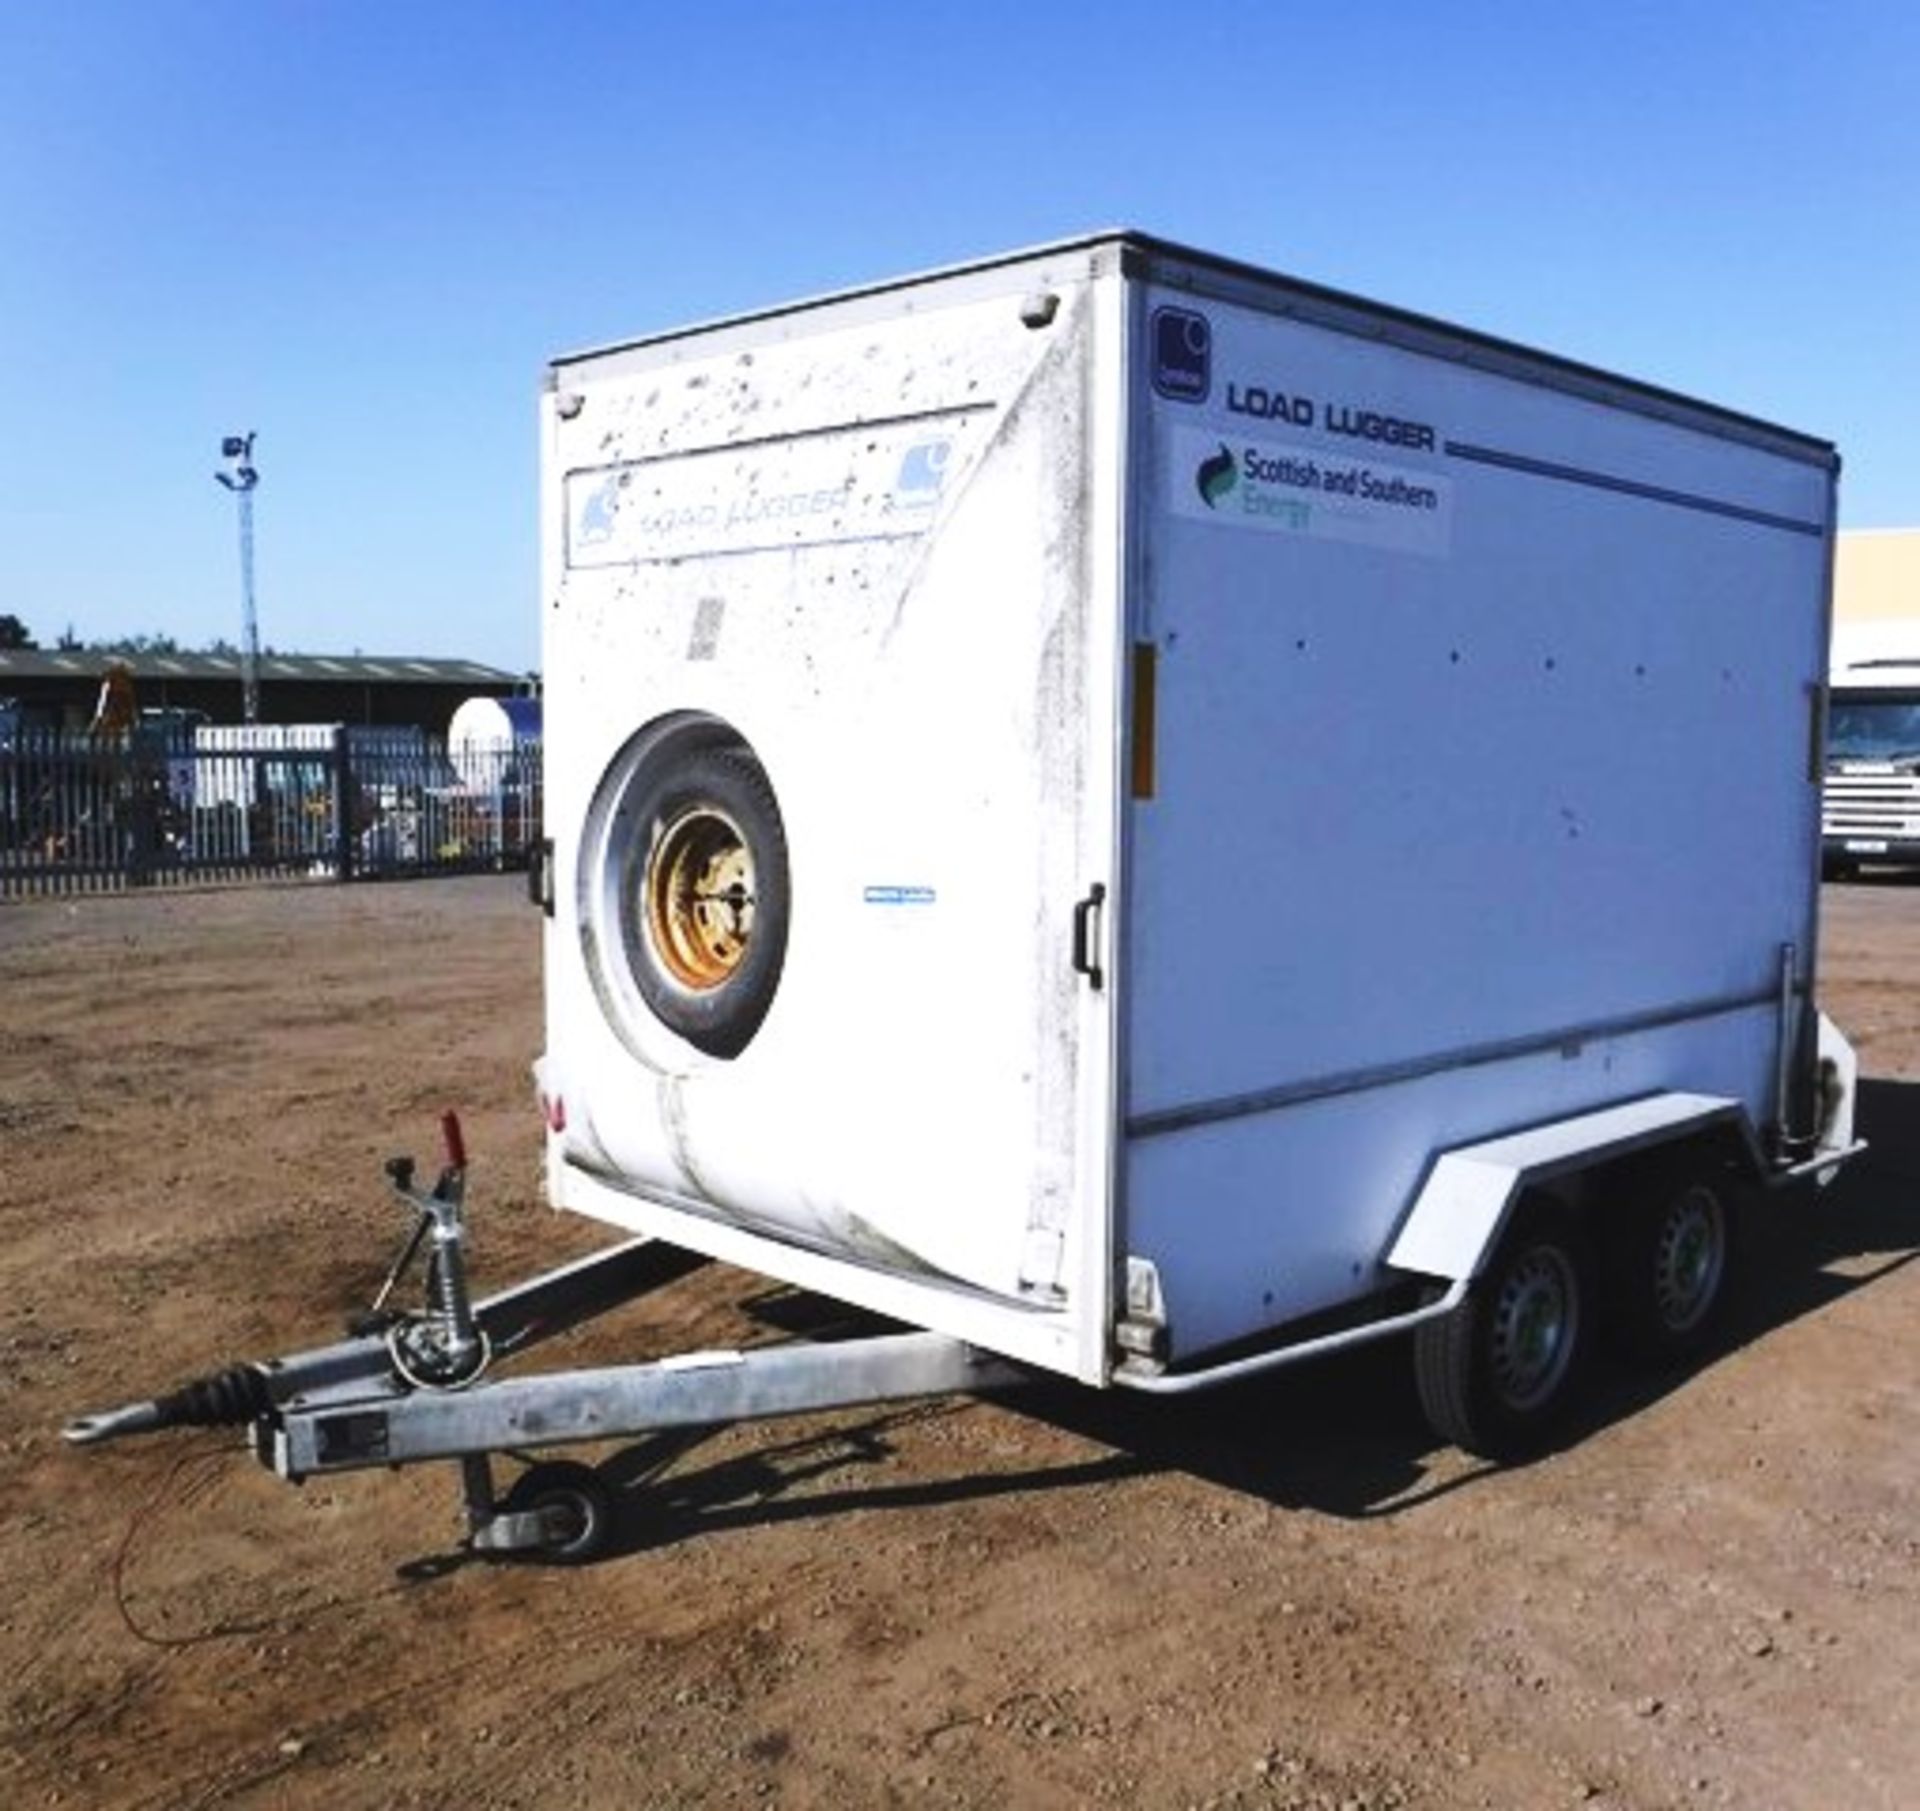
(360, 229)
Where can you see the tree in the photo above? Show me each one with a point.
(15, 634)
(135, 644)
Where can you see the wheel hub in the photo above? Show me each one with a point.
(1535, 1316)
(698, 893)
(1689, 1259)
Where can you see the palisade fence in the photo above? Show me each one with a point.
(85, 813)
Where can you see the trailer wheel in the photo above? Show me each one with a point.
(1496, 1375)
(696, 884)
(573, 1498)
(1670, 1251)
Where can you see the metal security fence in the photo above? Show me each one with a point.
(166, 806)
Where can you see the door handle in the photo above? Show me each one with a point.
(1086, 918)
(540, 875)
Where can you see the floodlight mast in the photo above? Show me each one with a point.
(240, 478)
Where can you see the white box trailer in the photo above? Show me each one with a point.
(1145, 818)
(1229, 746)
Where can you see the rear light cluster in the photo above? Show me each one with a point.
(553, 1109)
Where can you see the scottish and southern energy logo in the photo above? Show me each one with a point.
(1217, 478)
(1310, 491)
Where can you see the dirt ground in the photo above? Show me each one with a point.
(1285, 1596)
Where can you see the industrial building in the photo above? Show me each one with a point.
(1876, 595)
(59, 688)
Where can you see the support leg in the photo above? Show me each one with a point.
(476, 1492)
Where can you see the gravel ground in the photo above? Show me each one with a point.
(1284, 1596)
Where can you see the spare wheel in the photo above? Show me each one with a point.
(695, 869)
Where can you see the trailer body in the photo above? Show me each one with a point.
(1230, 745)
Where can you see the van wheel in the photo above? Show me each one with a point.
(1670, 1251)
(703, 892)
(1497, 1374)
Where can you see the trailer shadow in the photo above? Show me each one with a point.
(1874, 877)
(781, 1480)
(1343, 1436)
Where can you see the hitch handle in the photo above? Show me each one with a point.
(454, 1139)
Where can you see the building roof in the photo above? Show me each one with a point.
(334, 669)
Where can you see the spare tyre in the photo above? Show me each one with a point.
(695, 870)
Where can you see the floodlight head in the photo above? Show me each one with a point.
(235, 447)
(224, 479)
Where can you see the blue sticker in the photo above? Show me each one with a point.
(1182, 354)
(899, 896)
(597, 514)
(923, 471)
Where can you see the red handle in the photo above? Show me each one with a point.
(454, 1140)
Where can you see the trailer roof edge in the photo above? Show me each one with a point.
(1233, 279)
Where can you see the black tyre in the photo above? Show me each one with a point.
(1496, 1376)
(576, 1504)
(697, 886)
(1670, 1250)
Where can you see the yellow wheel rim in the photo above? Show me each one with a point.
(699, 896)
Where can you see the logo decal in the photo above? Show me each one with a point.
(1216, 477)
(598, 513)
(923, 470)
(1182, 354)
(1308, 490)
(857, 483)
